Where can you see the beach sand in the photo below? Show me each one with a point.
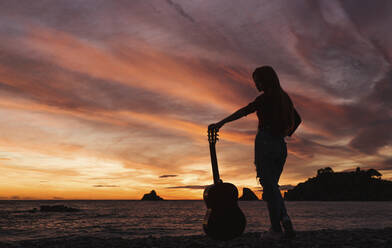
(380, 238)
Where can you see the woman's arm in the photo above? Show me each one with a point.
(235, 116)
(250, 108)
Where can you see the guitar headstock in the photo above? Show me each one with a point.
(213, 135)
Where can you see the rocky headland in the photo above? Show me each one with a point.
(327, 185)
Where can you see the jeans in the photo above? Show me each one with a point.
(270, 156)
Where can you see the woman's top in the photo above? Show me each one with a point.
(264, 115)
(262, 112)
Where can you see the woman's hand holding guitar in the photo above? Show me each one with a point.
(215, 126)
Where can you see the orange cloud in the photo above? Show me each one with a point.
(144, 67)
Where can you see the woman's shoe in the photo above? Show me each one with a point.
(271, 235)
(288, 228)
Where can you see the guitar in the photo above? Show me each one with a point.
(224, 219)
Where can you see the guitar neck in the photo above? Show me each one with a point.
(214, 162)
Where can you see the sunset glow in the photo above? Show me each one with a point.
(110, 100)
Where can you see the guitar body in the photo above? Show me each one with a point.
(224, 219)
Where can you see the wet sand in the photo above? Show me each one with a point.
(380, 238)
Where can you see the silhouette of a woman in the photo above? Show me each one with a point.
(277, 119)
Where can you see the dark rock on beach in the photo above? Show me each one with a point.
(358, 238)
(152, 196)
(248, 195)
(57, 208)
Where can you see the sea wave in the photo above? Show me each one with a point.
(137, 219)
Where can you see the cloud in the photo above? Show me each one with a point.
(281, 187)
(306, 148)
(387, 161)
(165, 176)
(105, 186)
(46, 171)
(188, 187)
(180, 10)
(370, 139)
(380, 94)
(383, 164)
(286, 187)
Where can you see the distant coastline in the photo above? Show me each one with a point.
(359, 185)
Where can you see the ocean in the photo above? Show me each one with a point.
(134, 219)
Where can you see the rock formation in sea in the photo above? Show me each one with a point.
(152, 196)
(57, 208)
(358, 185)
(248, 195)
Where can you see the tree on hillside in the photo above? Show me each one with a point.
(324, 171)
(373, 173)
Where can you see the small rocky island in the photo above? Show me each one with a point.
(358, 185)
(152, 196)
(248, 195)
(54, 208)
(57, 208)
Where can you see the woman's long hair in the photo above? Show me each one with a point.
(280, 113)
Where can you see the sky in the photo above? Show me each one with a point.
(112, 99)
